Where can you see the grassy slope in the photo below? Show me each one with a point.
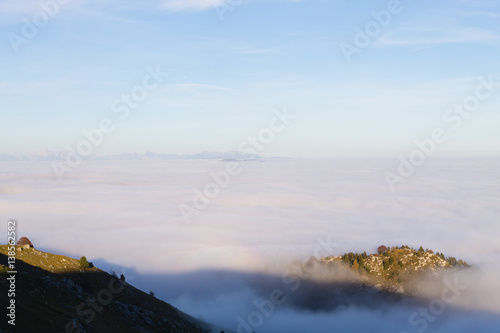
(50, 287)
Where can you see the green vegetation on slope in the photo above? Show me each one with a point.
(395, 266)
(56, 293)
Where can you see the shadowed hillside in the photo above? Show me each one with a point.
(53, 294)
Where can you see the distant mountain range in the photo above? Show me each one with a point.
(48, 155)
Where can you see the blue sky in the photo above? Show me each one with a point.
(226, 76)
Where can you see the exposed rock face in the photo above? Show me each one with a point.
(24, 241)
(396, 269)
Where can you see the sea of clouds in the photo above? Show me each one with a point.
(223, 264)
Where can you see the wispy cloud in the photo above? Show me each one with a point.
(193, 5)
(251, 50)
(197, 87)
(31, 6)
(180, 5)
(11, 7)
(27, 7)
(482, 13)
(432, 37)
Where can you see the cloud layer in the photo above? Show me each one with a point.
(126, 214)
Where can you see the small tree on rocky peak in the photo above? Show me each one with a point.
(355, 265)
(452, 261)
(84, 263)
(361, 262)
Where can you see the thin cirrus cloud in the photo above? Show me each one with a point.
(180, 5)
(31, 6)
(27, 6)
(438, 36)
(196, 87)
(253, 51)
(196, 5)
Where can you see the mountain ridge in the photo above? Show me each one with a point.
(49, 155)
